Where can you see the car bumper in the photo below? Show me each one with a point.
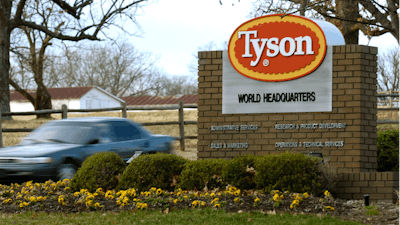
(21, 170)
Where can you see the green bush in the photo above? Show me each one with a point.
(240, 172)
(202, 173)
(152, 170)
(99, 170)
(293, 172)
(388, 150)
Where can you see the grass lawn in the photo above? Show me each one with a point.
(187, 216)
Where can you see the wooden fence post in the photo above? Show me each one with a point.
(64, 112)
(181, 125)
(1, 132)
(124, 115)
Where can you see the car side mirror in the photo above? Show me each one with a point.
(93, 141)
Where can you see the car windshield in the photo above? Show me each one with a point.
(75, 133)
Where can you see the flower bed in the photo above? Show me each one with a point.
(56, 196)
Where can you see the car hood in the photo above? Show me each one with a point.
(34, 150)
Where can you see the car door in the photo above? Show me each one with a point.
(127, 139)
(103, 141)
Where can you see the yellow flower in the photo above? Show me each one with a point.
(109, 194)
(153, 189)
(202, 203)
(327, 193)
(194, 203)
(186, 197)
(237, 200)
(306, 195)
(96, 204)
(295, 202)
(175, 201)
(215, 200)
(212, 195)
(141, 205)
(217, 205)
(236, 193)
(281, 197)
(257, 200)
(159, 191)
(276, 197)
(330, 208)
(89, 203)
(291, 206)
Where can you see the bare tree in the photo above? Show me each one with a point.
(83, 20)
(117, 67)
(210, 46)
(343, 13)
(178, 85)
(388, 70)
(369, 16)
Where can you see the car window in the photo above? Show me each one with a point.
(65, 132)
(123, 131)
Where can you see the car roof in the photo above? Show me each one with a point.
(91, 119)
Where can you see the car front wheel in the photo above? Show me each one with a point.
(66, 171)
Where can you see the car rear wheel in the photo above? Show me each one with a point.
(66, 171)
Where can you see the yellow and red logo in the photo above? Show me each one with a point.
(277, 48)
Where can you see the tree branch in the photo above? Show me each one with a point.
(20, 8)
(22, 91)
(56, 34)
(69, 9)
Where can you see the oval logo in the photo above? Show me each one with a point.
(275, 48)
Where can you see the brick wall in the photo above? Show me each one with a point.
(380, 186)
(353, 102)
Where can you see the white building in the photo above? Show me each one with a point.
(73, 97)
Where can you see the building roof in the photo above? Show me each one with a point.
(62, 93)
(56, 93)
(158, 100)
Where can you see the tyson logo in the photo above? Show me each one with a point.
(277, 48)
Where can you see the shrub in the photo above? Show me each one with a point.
(388, 150)
(287, 172)
(153, 170)
(202, 174)
(328, 176)
(99, 170)
(239, 172)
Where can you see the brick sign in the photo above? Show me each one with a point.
(265, 118)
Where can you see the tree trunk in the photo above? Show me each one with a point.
(5, 12)
(348, 9)
(303, 7)
(43, 97)
(43, 100)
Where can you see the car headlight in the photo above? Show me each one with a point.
(34, 160)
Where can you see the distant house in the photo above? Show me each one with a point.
(158, 100)
(73, 97)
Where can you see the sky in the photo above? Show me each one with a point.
(175, 29)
